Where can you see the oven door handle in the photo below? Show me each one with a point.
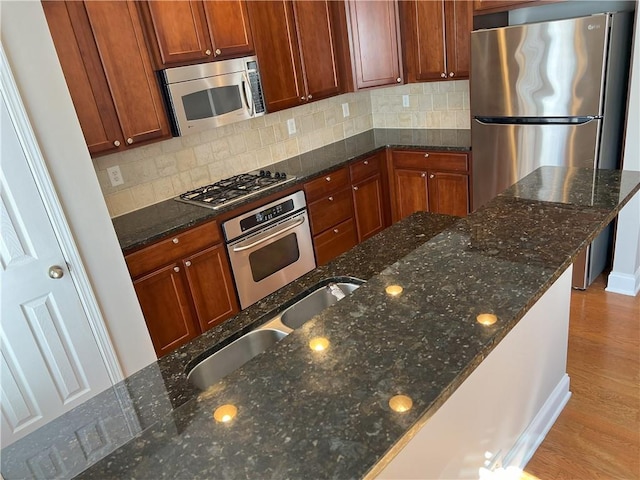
(291, 226)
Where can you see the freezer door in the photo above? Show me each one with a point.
(504, 154)
(541, 70)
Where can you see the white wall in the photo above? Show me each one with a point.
(31, 54)
(625, 276)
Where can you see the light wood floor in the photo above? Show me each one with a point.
(597, 435)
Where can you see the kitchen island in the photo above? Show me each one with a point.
(304, 415)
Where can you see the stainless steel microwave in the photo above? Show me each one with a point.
(209, 95)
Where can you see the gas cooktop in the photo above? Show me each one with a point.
(234, 188)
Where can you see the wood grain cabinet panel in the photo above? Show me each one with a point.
(108, 69)
(449, 193)
(335, 241)
(488, 6)
(411, 192)
(436, 39)
(370, 195)
(375, 42)
(329, 210)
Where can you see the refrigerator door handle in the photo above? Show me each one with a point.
(535, 120)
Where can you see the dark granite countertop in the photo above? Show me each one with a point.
(305, 414)
(151, 223)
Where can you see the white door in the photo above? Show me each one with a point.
(49, 361)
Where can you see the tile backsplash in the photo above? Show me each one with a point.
(165, 169)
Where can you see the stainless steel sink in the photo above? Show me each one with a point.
(233, 356)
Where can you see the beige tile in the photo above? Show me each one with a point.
(440, 102)
(200, 176)
(281, 131)
(378, 120)
(431, 87)
(465, 101)
(304, 143)
(405, 120)
(419, 119)
(237, 144)
(319, 121)
(291, 148)
(225, 131)
(415, 88)
(243, 126)
(277, 152)
(391, 120)
(106, 161)
(163, 189)
(167, 164)
(258, 123)
(271, 119)
(182, 182)
(252, 140)
(349, 128)
(461, 86)
(447, 86)
(209, 136)
(149, 151)
(172, 145)
(326, 135)
(120, 203)
(105, 183)
(267, 136)
(203, 153)
(455, 100)
(191, 140)
(142, 171)
(331, 115)
(245, 162)
(463, 119)
(433, 119)
(143, 195)
(425, 102)
(338, 132)
(305, 124)
(316, 139)
(263, 157)
(448, 119)
(221, 149)
(186, 159)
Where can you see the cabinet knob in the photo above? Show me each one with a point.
(328, 179)
(187, 263)
(218, 52)
(423, 174)
(366, 162)
(116, 143)
(175, 240)
(129, 140)
(309, 97)
(398, 80)
(432, 176)
(176, 269)
(330, 199)
(451, 74)
(207, 52)
(443, 75)
(303, 98)
(56, 272)
(426, 155)
(355, 188)
(335, 230)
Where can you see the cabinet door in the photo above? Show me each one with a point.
(228, 22)
(179, 29)
(497, 5)
(274, 35)
(167, 308)
(459, 23)
(315, 28)
(211, 287)
(410, 193)
(449, 193)
(368, 203)
(425, 39)
(132, 83)
(333, 208)
(80, 61)
(375, 48)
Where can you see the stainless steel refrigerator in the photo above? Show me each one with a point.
(550, 93)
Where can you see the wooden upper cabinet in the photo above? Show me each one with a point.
(229, 28)
(296, 48)
(184, 32)
(436, 37)
(375, 42)
(488, 6)
(108, 71)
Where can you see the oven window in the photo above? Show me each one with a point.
(212, 102)
(274, 257)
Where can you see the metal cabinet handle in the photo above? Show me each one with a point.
(175, 240)
(443, 75)
(330, 199)
(355, 188)
(302, 98)
(423, 174)
(218, 52)
(432, 176)
(56, 272)
(366, 162)
(328, 179)
(335, 230)
(426, 155)
(207, 52)
(129, 140)
(451, 74)
(116, 143)
(187, 263)
(398, 80)
(309, 97)
(176, 269)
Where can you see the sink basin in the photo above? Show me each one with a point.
(233, 356)
(315, 302)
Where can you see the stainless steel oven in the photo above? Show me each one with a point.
(269, 247)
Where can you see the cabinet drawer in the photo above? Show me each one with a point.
(457, 162)
(330, 210)
(327, 184)
(364, 168)
(335, 241)
(172, 248)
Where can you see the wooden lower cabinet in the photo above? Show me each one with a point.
(184, 286)
(335, 241)
(429, 181)
(370, 195)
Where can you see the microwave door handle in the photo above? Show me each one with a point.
(245, 82)
(295, 224)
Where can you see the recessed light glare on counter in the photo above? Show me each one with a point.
(225, 413)
(400, 403)
(393, 290)
(318, 344)
(487, 318)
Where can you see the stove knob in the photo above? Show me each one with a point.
(268, 174)
(262, 173)
(277, 174)
(283, 175)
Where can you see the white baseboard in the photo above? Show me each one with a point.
(532, 437)
(624, 283)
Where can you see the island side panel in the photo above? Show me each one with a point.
(505, 407)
